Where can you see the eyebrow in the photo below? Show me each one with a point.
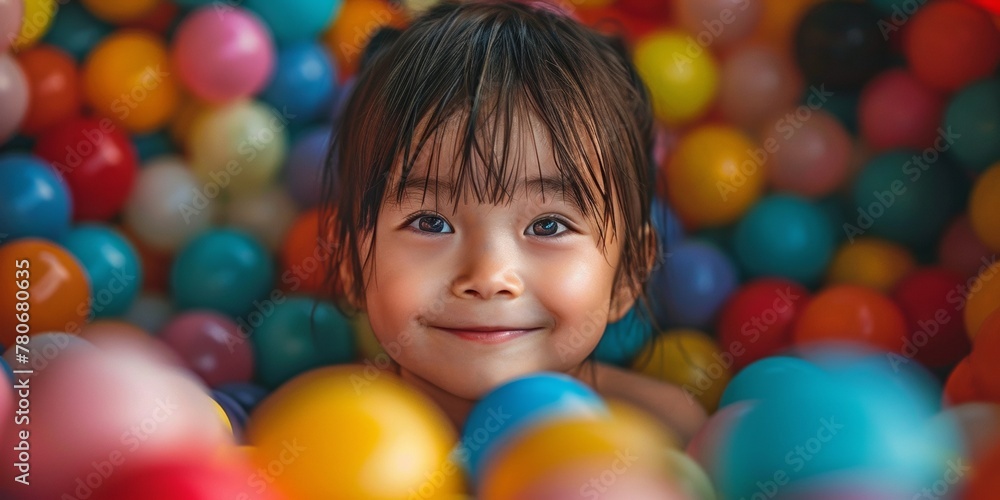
(534, 186)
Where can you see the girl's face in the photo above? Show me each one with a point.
(533, 266)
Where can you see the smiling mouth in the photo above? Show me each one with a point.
(487, 336)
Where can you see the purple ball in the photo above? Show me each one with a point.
(304, 166)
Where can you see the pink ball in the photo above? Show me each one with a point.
(223, 54)
(961, 250)
(811, 157)
(896, 110)
(756, 82)
(211, 346)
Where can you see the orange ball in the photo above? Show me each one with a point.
(984, 483)
(985, 353)
(960, 388)
(358, 21)
(712, 178)
(983, 298)
(128, 78)
(53, 84)
(303, 259)
(54, 284)
(852, 313)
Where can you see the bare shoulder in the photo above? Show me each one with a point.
(665, 401)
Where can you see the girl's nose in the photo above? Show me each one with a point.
(491, 271)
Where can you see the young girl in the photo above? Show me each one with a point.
(491, 201)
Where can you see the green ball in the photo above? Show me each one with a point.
(298, 335)
(905, 196)
(972, 125)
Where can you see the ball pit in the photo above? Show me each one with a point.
(826, 184)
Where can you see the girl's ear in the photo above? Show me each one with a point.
(627, 294)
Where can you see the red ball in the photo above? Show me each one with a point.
(950, 44)
(896, 110)
(756, 321)
(985, 353)
(960, 388)
(54, 88)
(190, 479)
(98, 162)
(657, 11)
(935, 327)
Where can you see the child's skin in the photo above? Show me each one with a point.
(534, 263)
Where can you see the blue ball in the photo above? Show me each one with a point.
(112, 264)
(517, 405)
(786, 236)
(304, 82)
(693, 284)
(75, 30)
(759, 379)
(34, 199)
(623, 339)
(668, 227)
(304, 166)
(296, 20)
(246, 394)
(224, 270)
(237, 415)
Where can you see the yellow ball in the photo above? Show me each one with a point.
(38, 15)
(223, 418)
(691, 360)
(342, 433)
(682, 76)
(128, 78)
(556, 445)
(984, 298)
(712, 177)
(117, 11)
(984, 207)
(871, 262)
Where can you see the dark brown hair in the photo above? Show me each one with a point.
(487, 64)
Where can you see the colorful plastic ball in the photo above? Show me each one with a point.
(127, 78)
(190, 477)
(708, 446)
(76, 31)
(238, 147)
(234, 414)
(98, 162)
(224, 270)
(223, 54)
(295, 335)
(960, 248)
(14, 96)
(304, 166)
(112, 264)
(623, 339)
(984, 207)
(53, 87)
(839, 44)
(247, 395)
(267, 215)
(211, 345)
(383, 422)
(870, 262)
(37, 20)
(960, 387)
(905, 196)
(682, 76)
(34, 200)
(756, 321)
(168, 206)
(303, 258)
(757, 381)
(971, 119)
(812, 159)
(693, 283)
(120, 12)
(852, 313)
(547, 449)
(936, 328)
(355, 24)
(516, 406)
(785, 236)
(298, 20)
(711, 179)
(58, 288)
(691, 360)
(719, 22)
(11, 17)
(304, 82)
(897, 110)
(161, 19)
(943, 60)
(983, 485)
(985, 349)
(755, 81)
